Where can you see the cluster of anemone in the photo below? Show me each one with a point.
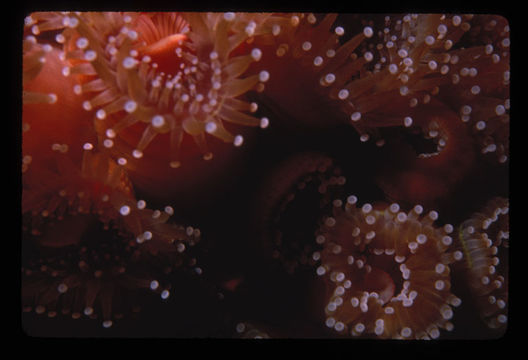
(73, 184)
(116, 102)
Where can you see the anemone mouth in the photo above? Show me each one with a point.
(161, 38)
(384, 278)
(429, 129)
(154, 28)
(425, 143)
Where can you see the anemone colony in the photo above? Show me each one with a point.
(267, 175)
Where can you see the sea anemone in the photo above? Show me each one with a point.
(87, 238)
(160, 76)
(387, 271)
(485, 241)
(427, 177)
(291, 197)
(311, 67)
(102, 272)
